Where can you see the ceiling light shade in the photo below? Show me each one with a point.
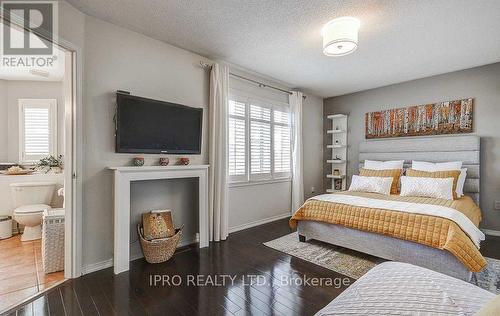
(340, 36)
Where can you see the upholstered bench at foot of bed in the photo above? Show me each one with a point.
(395, 288)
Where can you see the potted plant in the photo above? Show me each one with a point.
(51, 163)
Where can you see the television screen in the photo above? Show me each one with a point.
(151, 126)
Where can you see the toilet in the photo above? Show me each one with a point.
(31, 199)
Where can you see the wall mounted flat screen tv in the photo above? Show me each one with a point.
(151, 126)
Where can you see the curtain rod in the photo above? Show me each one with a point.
(260, 84)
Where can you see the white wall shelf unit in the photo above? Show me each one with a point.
(338, 147)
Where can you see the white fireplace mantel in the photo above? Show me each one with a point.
(122, 178)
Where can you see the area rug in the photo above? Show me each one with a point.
(354, 264)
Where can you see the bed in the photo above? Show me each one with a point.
(387, 246)
(391, 289)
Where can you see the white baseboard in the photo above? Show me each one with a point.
(109, 263)
(89, 268)
(259, 222)
(491, 232)
(93, 267)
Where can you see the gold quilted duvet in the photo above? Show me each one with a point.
(436, 232)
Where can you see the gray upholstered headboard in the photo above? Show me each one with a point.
(433, 149)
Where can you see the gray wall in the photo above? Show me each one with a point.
(179, 195)
(115, 58)
(481, 83)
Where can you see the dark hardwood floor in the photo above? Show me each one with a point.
(267, 282)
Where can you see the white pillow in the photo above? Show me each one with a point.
(383, 165)
(380, 185)
(461, 182)
(438, 166)
(441, 188)
(444, 166)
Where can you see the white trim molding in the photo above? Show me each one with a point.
(259, 222)
(74, 167)
(93, 267)
(123, 176)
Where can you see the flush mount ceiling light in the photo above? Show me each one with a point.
(340, 36)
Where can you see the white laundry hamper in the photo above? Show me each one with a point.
(5, 227)
(53, 240)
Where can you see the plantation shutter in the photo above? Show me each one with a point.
(237, 141)
(37, 129)
(260, 142)
(282, 144)
(37, 133)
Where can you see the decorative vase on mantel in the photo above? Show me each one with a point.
(164, 161)
(138, 161)
(184, 161)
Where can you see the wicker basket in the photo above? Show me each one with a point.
(53, 241)
(159, 250)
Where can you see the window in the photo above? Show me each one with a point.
(259, 140)
(37, 129)
(237, 140)
(282, 144)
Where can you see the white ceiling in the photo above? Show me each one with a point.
(399, 40)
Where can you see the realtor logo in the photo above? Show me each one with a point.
(29, 31)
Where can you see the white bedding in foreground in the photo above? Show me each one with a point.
(475, 234)
(395, 288)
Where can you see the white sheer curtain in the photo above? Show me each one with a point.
(295, 100)
(219, 82)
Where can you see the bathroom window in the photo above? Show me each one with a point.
(37, 129)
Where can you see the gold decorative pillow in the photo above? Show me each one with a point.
(394, 173)
(437, 174)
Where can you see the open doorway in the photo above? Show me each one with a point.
(37, 175)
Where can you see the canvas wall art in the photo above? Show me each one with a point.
(451, 117)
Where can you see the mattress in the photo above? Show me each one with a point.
(437, 223)
(394, 288)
